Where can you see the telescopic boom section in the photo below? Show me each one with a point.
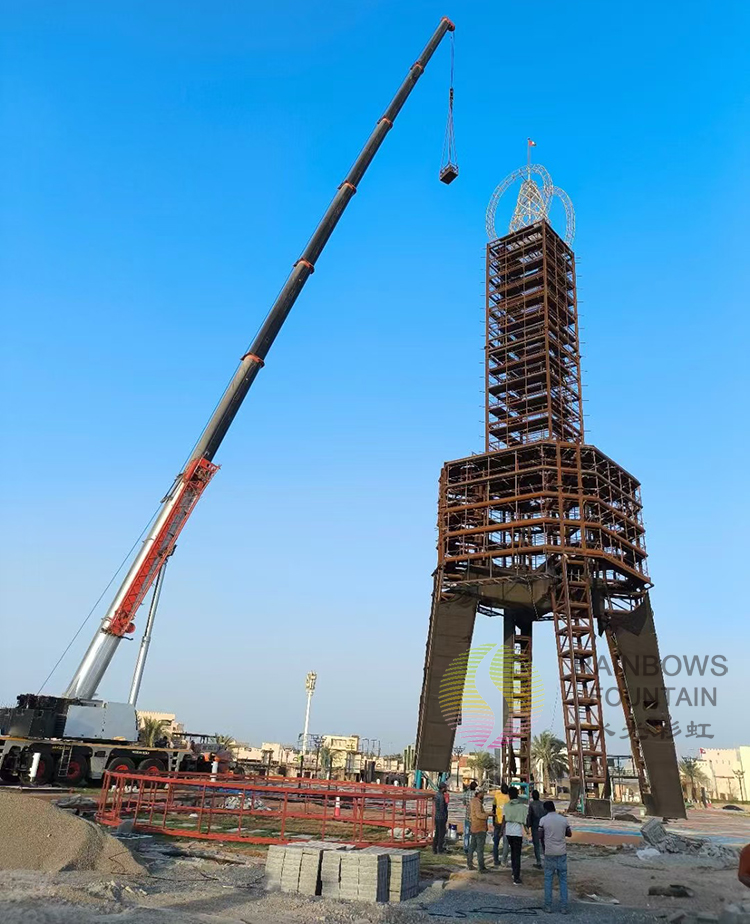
(189, 484)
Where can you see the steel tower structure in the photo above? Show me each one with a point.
(544, 527)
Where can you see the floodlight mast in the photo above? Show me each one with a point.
(192, 481)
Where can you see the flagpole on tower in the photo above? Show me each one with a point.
(529, 145)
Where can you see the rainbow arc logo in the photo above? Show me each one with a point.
(481, 686)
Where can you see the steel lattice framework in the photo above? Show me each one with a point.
(533, 202)
(543, 527)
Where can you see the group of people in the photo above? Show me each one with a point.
(511, 817)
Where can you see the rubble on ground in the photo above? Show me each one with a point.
(656, 836)
(78, 804)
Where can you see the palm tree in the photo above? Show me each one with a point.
(549, 751)
(693, 776)
(225, 743)
(482, 762)
(325, 758)
(151, 730)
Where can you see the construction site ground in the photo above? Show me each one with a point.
(138, 883)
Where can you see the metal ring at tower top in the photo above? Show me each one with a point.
(545, 195)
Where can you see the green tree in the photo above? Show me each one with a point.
(151, 730)
(325, 758)
(549, 751)
(225, 743)
(692, 775)
(483, 763)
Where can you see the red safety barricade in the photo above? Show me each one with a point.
(267, 810)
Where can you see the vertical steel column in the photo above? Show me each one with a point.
(135, 686)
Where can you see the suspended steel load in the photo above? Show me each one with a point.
(449, 161)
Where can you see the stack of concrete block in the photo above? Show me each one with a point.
(294, 869)
(309, 872)
(403, 872)
(274, 866)
(364, 877)
(349, 877)
(290, 871)
(330, 874)
(376, 874)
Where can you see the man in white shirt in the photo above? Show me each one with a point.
(553, 829)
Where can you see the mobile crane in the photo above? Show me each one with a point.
(74, 738)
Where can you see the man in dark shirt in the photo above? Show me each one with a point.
(536, 812)
(441, 818)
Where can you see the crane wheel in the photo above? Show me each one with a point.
(153, 766)
(78, 770)
(44, 772)
(121, 765)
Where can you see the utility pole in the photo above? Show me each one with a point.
(740, 774)
(317, 741)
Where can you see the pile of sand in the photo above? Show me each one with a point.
(37, 835)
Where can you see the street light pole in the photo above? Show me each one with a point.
(310, 688)
(457, 752)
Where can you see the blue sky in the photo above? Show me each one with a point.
(162, 167)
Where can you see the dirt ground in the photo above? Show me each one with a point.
(197, 891)
(58, 883)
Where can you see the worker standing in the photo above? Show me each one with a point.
(441, 818)
(536, 812)
(467, 798)
(514, 819)
(500, 800)
(478, 825)
(553, 829)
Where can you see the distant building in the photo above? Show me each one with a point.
(348, 743)
(172, 728)
(331, 756)
(728, 772)
(276, 754)
(623, 777)
(247, 752)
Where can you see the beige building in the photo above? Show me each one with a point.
(277, 754)
(344, 759)
(728, 772)
(172, 728)
(348, 743)
(247, 752)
